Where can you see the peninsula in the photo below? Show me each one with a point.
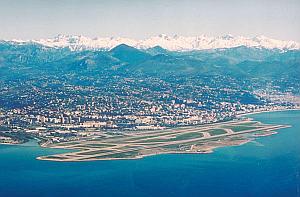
(194, 139)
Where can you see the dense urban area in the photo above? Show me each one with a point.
(69, 107)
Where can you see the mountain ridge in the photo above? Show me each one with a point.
(171, 43)
(23, 60)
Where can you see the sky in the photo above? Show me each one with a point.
(139, 19)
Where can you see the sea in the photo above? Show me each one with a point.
(266, 167)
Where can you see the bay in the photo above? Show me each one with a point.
(269, 166)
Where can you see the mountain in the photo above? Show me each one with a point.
(276, 65)
(171, 43)
(33, 60)
(129, 54)
(86, 61)
(234, 55)
(156, 50)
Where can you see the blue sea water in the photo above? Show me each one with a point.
(268, 167)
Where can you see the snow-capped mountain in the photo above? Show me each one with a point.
(172, 43)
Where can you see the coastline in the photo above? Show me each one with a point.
(262, 150)
(207, 150)
(11, 144)
(265, 111)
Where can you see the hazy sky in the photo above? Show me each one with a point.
(31, 19)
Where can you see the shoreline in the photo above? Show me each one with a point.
(265, 111)
(11, 144)
(208, 150)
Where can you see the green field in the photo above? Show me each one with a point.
(239, 128)
(187, 136)
(214, 132)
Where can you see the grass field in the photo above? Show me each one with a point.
(217, 132)
(239, 128)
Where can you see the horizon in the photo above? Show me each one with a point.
(171, 43)
(151, 36)
(35, 19)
